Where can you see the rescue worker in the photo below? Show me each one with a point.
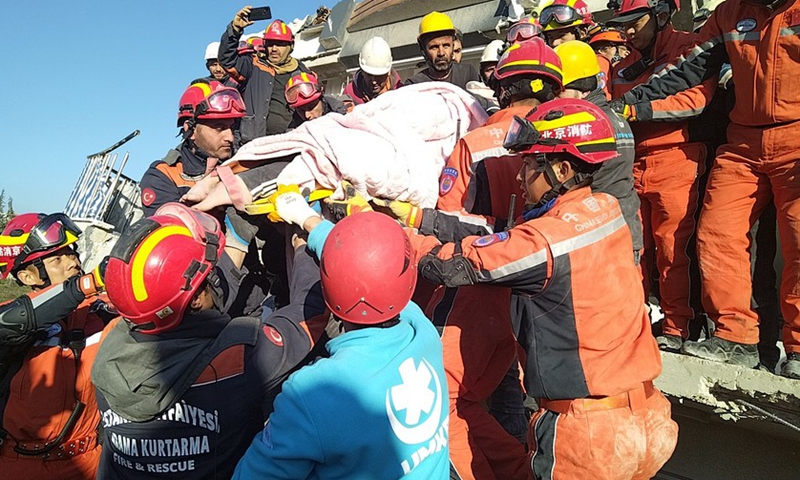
(263, 76)
(755, 167)
(196, 384)
(306, 97)
(611, 47)
(590, 356)
(375, 75)
(525, 29)
(377, 407)
(215, 70)
(475, 193)
(615, 177)
(489, 57)
(436, 40)
(668, 161)
(48, 341)
(206, 115)
(565, 20)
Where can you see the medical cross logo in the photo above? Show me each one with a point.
(415, 397)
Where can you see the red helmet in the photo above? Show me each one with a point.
(567, 125)
(210, 100)
(565, 13)
(533, 57)
(626, 11)
(32, 236)
(525, 29)
(302, 89)
(367, 269)
(279, 32)
(159, 264)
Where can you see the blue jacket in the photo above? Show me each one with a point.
(376, 409)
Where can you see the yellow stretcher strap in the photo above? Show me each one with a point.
(265, 206)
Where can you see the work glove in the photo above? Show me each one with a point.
(627, 112)
(93, 282)
(242, 20)
(726, 77)
(407, 214)
(239, 229)
(352, 203)
(292, 207)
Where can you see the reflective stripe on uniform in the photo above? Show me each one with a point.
(524, 263)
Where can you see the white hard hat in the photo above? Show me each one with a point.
(375, 57)
(212, 51)
(492, 51)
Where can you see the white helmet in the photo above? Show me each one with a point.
(492, 51)
(212, 51)
(375, 57)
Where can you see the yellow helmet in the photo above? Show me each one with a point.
(436, 22)
(578, 60)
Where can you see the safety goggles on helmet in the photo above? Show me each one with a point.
(521, 135)
(523, 31)
(200, 224)
(304, 90)
(52, 231)
(224, 100)
(559, 14)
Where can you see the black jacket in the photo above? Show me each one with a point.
(188, 402)
(257, 80)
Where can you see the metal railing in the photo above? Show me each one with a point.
(102, 193)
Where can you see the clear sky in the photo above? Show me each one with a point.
(81, 75)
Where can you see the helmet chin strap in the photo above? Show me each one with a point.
(559, 188)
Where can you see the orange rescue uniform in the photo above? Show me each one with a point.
(759, 161)
(479, 346)
(43, 396)
(590, 355)
(666, 174)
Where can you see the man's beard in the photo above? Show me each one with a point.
(442, 66)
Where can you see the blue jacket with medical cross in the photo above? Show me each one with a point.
(377, 408)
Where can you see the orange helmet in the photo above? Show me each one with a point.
(279, 32)
(608, 36)
(302, 89)
(159, 264)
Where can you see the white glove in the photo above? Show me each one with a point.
(293, 208)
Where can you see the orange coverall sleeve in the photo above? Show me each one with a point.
(519, 258)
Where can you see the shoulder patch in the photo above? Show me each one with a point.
(487, 240)
(148, 197)
(591, 204)
(746, 25)
(273, 335)
(449, 176)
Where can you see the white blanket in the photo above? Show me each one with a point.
(392, 147)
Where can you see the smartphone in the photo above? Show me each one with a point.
(260, 13)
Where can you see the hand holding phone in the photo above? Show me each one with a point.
(260, 13)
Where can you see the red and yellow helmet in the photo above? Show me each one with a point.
(565, 125)
(302, 89)
(626, 11)
(278, 31)
(32, 236)
(529, 58)
(159, 264)
(210, 100)
(564, 14)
